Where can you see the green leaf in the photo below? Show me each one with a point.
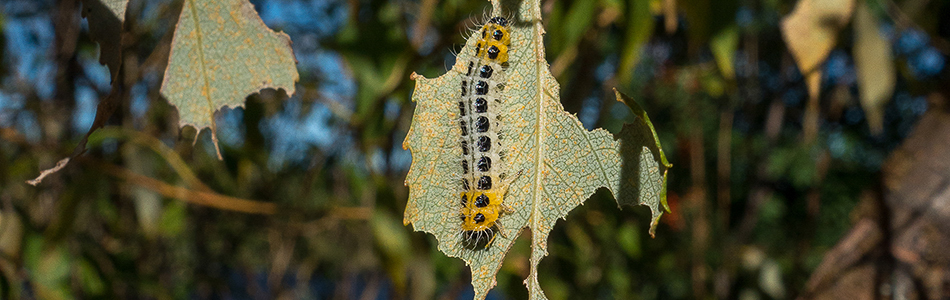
(723, 47)
(640, 144)
(562, 163)
(173, 220)
(221, 53)
(639, 29)
(393, 242)
(875, 67)
(48, 267)
(92, 284)
(628, 239)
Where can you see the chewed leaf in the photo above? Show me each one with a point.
(105, 19)
(560, 162)
(643, 177)
(222, 52)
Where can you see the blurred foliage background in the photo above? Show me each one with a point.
(308, 200)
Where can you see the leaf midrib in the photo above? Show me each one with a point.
(201, 62)
(539, 71)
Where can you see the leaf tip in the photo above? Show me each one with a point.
(653, 223)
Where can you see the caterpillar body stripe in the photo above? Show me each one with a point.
(484, 182)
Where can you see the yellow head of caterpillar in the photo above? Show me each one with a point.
(493, 42)
(480, 209)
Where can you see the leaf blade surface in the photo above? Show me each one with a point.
(221, 53)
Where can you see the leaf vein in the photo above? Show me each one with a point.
(202, 62)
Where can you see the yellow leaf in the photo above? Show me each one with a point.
(810, 32)
(875, 67)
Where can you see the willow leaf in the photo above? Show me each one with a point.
(874, 64)
(562, 163)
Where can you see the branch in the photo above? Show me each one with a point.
(209, 199)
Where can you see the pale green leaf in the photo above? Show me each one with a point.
(148, 204)
(562, 163)
(221, 53)
(640, 145)
(875, 67)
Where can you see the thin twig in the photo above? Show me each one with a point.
(196, 197)
(168, 154)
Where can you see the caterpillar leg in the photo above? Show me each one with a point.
(492, 238)
(508, 180)
(501, 229)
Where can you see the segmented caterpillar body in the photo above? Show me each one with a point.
(483, 182)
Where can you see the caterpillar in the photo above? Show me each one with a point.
(483, 182)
